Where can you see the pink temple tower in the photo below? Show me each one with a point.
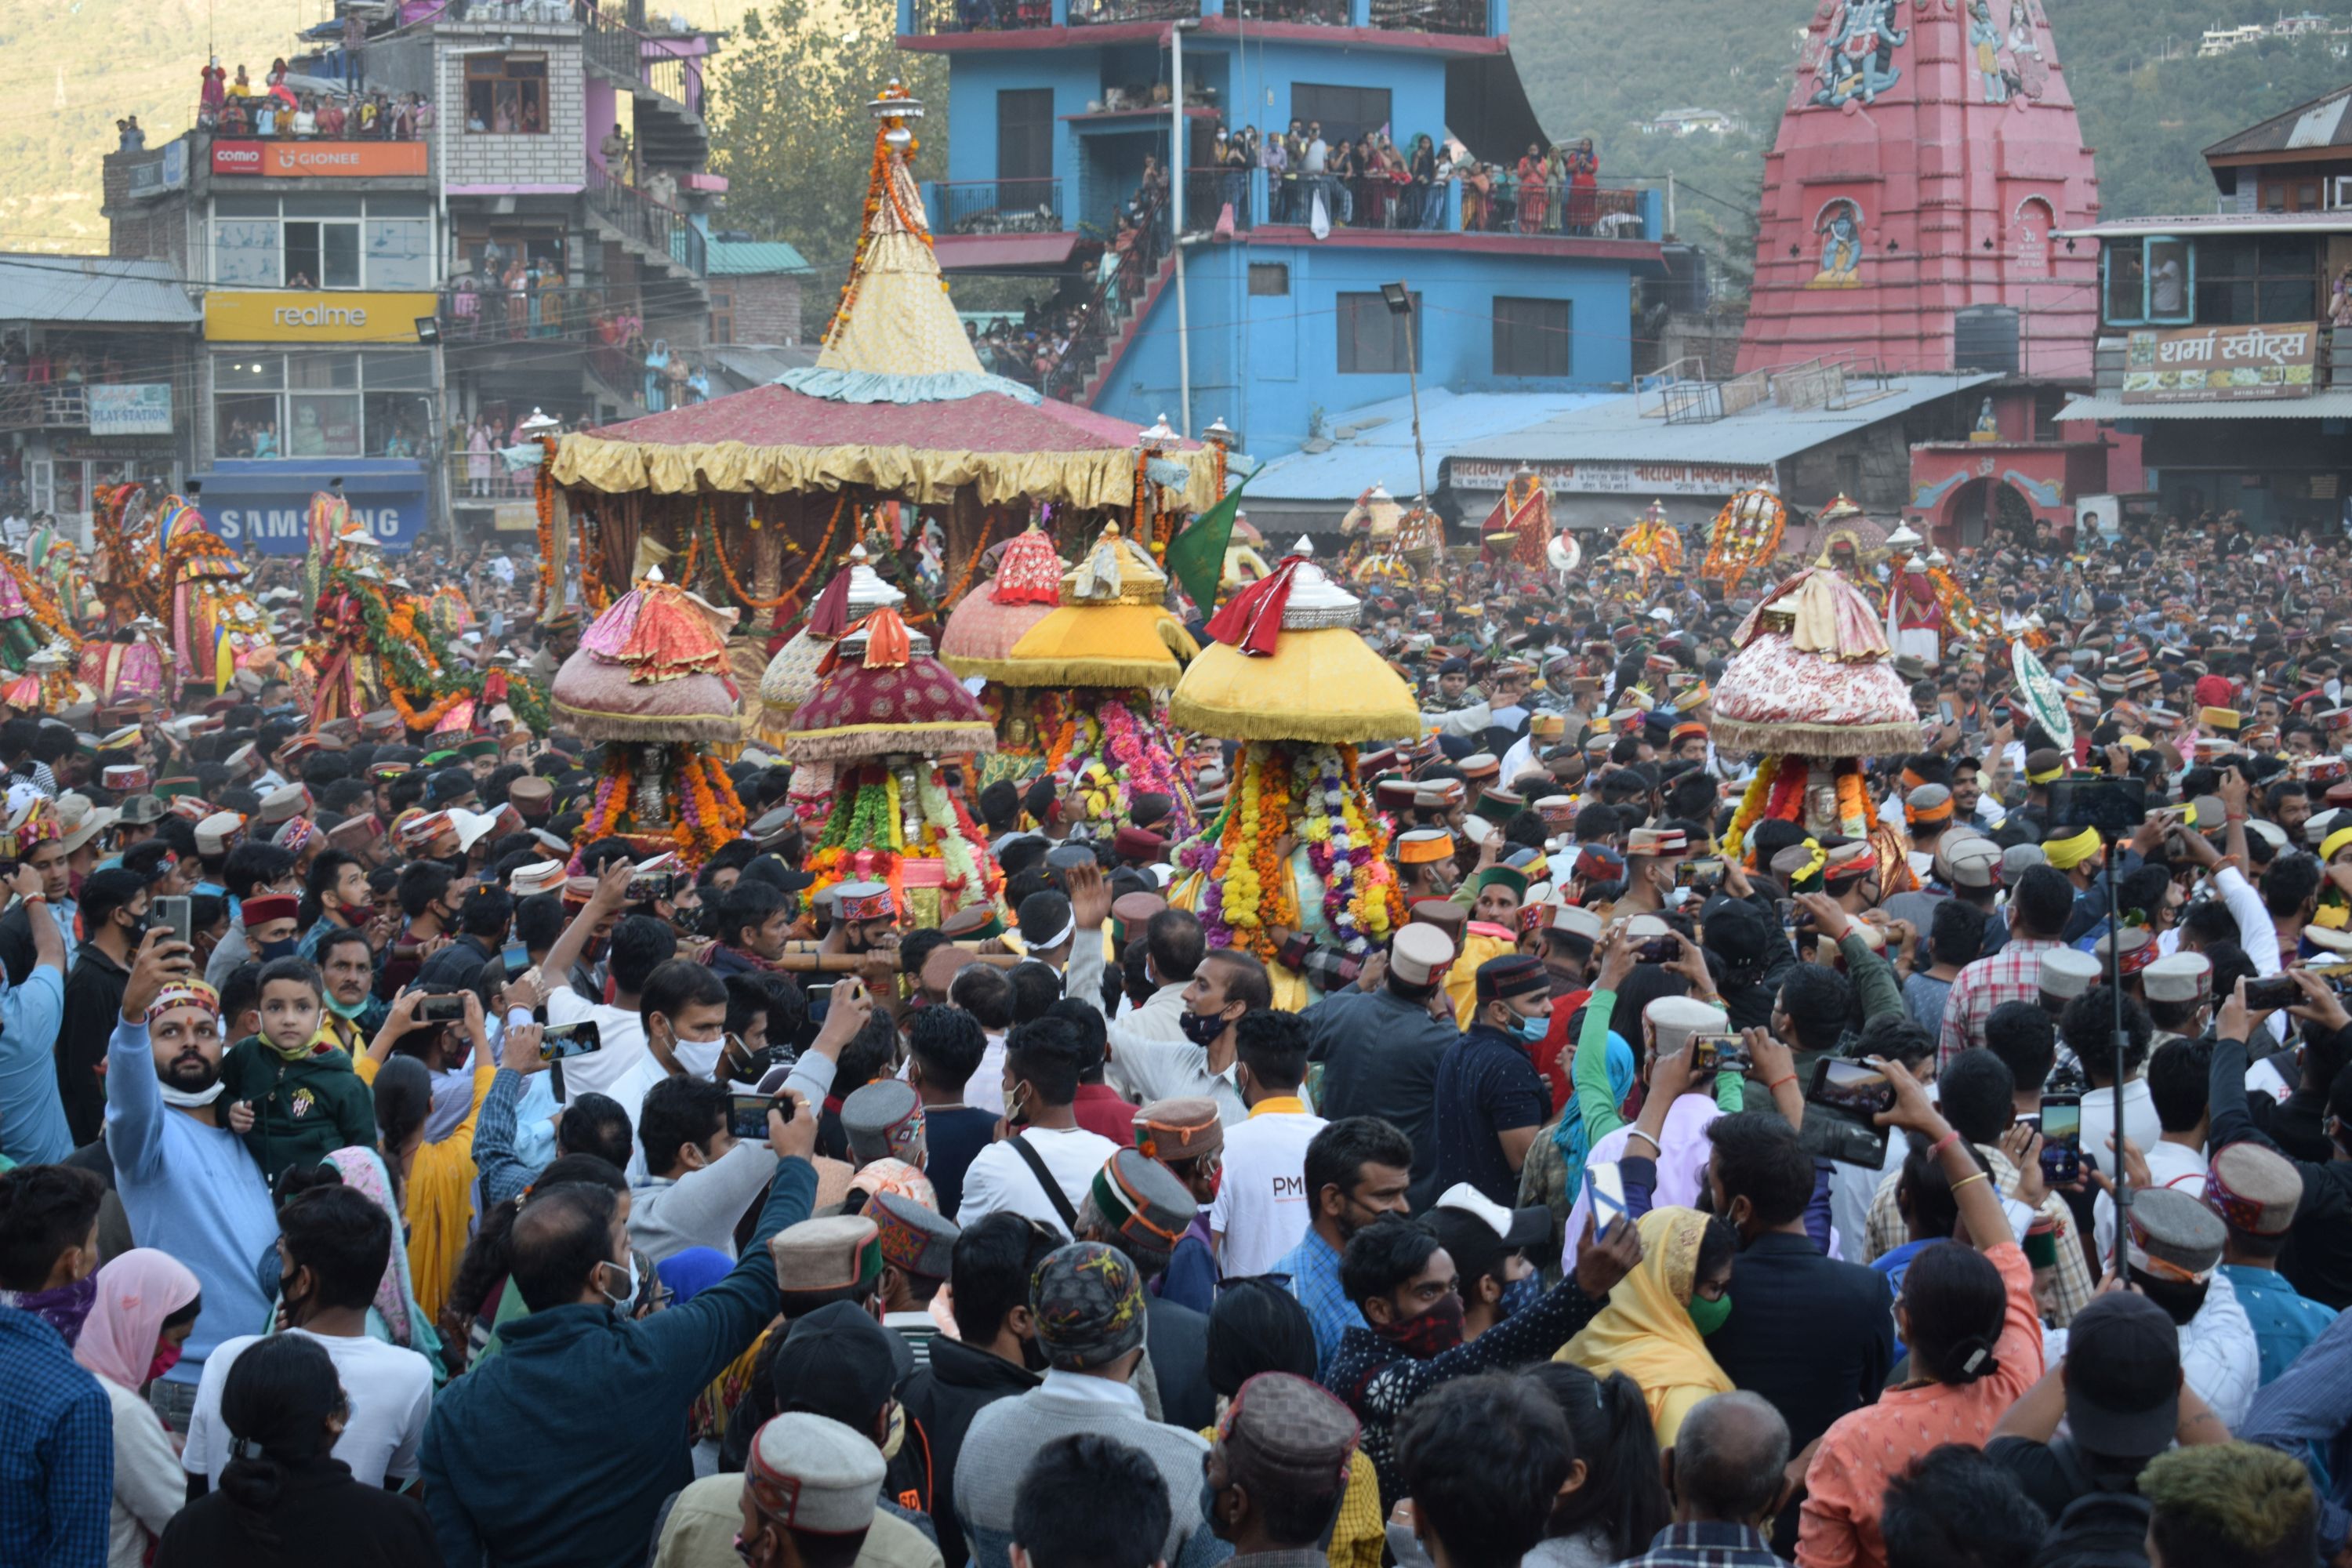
(1929, 149)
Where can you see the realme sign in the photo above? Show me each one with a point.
(278, 316)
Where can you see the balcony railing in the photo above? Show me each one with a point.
(662, 230)
(495, 313)
(1450, 206)
(611, 44)
(55, 405)
(1085, 12)
(995, 207)
(932, 17)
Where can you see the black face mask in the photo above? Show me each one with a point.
(1201, 1028)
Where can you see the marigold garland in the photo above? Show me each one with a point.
(1852, 799)
(1752, 806)
(551, 570)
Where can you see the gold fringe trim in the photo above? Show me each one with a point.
(1333, 729)
(1153, 672)
(1814, 739)
(853, 742)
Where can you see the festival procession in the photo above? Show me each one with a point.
(1570, 1030)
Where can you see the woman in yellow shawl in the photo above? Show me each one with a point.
(1655, 1326)
(426, 1115)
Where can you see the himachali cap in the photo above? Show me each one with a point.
(1283, 1435)
(294, 833)
(897, 1178)
(1930, 803)
(2067, 972)
(1132, 909)
(814, 1475)
(1512, 974)
(882, 1120)
(1557, 811)
(1656, 843)
(175, 788)
(1420, 952)
(1088, 1302)
(284, 803)
(1169, 1131)
(126, 780)
(1572, 919)
(1693, 696)
(1142, 1200)
(917, 1240)
(2136, 952)
(260, 911)
(2227, 719)
(1854, 859)
(1673, 1020)
(1499, 806)
(538, 877)
(2174, 1237)
(1973, 862)
(219, 832)
(2254, 1187)
(835, 1252)
(1137, 844)
(1395, 795)
(2182, 977)
(382, 724)
(1480, 765)
(1598, 862)
(1424, 846)
(356, 833)
(863, 901)
(531, 797)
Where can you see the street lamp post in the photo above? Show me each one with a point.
(1399, 299)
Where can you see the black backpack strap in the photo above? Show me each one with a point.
(1054, 1193)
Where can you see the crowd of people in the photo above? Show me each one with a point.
(237, 106)
(401, 1171)
(1370, 181)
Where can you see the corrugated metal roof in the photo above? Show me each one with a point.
(2319, 405)
(1373, 444)
(2337, 222)
(1629, 428)
(100, 291)
(2322, 122)
(740, 258)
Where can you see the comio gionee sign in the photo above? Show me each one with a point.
(285, 316)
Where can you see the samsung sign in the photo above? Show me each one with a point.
(266, 505)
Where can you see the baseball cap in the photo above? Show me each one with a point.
(2123, 1376)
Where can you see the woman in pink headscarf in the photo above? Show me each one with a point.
(147, 1303)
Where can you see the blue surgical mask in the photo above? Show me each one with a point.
(1533, 1026)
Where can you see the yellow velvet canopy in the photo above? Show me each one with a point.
(1323, 684)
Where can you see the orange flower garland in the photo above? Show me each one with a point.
(715, 816)
(743, 596)
(543, 498)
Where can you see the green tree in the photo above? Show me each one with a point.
(791, 132)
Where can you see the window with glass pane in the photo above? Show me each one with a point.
(246, 425)
(506, 95)
(322, 255)
(323, 372)
(1373, 338)
(405, 370)
(398, 423)
(2126, 282)
(322, 425)
(2289, 280)
(2168, 280)
(399, 252)
(246, 252)
(1531, 337)
(2226, 273)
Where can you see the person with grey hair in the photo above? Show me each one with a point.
(1726, 1473)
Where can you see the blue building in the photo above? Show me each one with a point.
(1060, 107)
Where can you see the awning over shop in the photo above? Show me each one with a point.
(2319, 405)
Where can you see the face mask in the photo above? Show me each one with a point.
(282, 948)
(346, 1010)
(627, 1298)
(1710, 1316)
(1531, 1026)
(698, 1058)
(1210, 1492)
(1520, 1294)
(1200, 1029)
(1675, 898)
(166, 1358)
(1431, 1333)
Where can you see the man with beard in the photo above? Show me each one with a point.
(115, 901)
(186, 1181)
(1403, 1282)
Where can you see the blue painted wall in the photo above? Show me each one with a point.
(1268, 364)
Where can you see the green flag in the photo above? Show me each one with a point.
(1196, 557)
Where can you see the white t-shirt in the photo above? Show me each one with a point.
(2140, 1123)
(624, 1035)
(1261, 1210)
(390, 1390)
(999, 1180)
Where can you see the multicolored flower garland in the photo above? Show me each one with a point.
(708, 814)
(869, 819)
(1249, 891)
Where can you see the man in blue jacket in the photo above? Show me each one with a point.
(558, 1452)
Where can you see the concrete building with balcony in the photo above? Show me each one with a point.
(99, 381)
(387, 307)
(1094, 152)
(2225, 337)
